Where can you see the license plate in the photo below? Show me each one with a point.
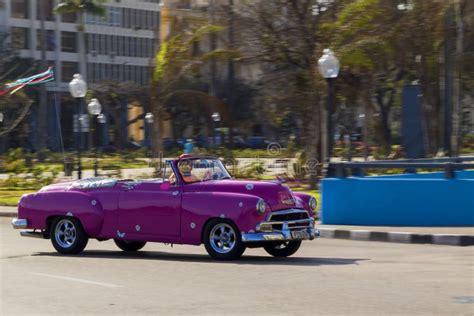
(299, 234)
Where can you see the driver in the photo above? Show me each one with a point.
(185, 167)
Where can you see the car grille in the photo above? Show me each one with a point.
(293, 219)
(288, 216)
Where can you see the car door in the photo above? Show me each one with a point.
(149, 208)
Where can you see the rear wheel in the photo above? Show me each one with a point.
(129, 245)
(68, 236)
(284, 249)
(223, 240)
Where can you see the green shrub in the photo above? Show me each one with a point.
(15, 166)
(14, 154)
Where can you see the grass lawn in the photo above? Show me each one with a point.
(11, 197)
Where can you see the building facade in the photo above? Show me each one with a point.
(119, 47)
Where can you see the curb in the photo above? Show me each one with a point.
(398, 237)
(8, 214)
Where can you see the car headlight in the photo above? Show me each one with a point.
(312, 203)
(261, 206)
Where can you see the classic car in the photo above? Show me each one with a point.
(199, 203)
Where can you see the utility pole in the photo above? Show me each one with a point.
(213, 44)
(231, 73)
(448, 83)
(43, 108)
(456, 132)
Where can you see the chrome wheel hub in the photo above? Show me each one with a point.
(282, 245)
(222, 238)
(65, 233)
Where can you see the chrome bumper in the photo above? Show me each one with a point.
(283, 235)
(19, 223)
(301, 229)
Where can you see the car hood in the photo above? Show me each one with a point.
(277, 196)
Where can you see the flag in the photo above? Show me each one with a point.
(19, 84)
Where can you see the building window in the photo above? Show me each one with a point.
(93, 44)
(47, 6)
(69, 68)
(20, 9)
(50, 40)
(131, 47)
(128, 20)
(132, 18)
(20, 38)
(96, 72)
(103, 44)
(120, 72)
(155, 20)
(108, 44)
(68, 18)
(126, 76)
(103, 74)
(140, 19)
(69, 42)
(138, 47)
(90, 74)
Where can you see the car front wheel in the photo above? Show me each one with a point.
(129, 245)
(284, 249)
(68, 236)
(223, 240)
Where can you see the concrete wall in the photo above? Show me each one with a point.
(426, 199)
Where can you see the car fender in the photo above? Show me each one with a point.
(199, 207)
(37, 208)
(304, 199)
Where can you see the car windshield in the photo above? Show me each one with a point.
(201, 169)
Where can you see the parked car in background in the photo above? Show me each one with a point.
(257, 142)
(198, 204)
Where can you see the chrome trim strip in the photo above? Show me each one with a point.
(298, 221)
(33, 234)
(285, 212)
(19, 223)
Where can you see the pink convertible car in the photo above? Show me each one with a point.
(199, 203)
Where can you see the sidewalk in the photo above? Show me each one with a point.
(454, 236)
(8, 211)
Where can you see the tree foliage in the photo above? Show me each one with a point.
(95, 7)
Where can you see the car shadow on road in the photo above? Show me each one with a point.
(202, 258)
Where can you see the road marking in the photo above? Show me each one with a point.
(59, 277)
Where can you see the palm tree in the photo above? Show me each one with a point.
(81, 7)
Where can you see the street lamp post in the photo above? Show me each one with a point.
(78, 89)
(328, 66)
(1, 139)
(149, 120)
(95, 108)
(216, 118)
(102, 119)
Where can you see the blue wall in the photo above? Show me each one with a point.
(426, 199)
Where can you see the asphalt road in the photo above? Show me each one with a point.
(326, 277)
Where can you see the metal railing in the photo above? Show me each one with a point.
(449, 165)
